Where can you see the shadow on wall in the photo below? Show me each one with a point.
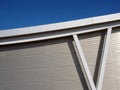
(73, 52)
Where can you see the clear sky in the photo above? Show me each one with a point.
(24, 13)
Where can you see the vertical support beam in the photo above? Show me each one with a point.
(85, 65)
(104, 59)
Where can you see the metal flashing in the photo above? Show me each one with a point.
(59, 26)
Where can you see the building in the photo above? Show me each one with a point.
(75, 55)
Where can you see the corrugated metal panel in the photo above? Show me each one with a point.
(112, 72)
(44, 65)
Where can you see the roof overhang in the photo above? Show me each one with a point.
(60, 26)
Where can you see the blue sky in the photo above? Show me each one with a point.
(24, 13)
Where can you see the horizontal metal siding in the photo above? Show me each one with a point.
(92, 44)
(112, 72)
(54, 64)
(43, 65)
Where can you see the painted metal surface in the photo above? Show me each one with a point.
(60, 26)
(85, 65)
(66, 25)
(104, 59)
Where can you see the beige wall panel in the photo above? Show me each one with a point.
(43, 65)
(54, 64)
(112, 72)
(92, 47)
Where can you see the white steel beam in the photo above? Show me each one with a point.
(53, 36)
(104, 59)
(85, 65)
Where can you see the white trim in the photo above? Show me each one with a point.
(85, 65)
(54, 36)
(106, 18)
(104, 59)
(60, 26)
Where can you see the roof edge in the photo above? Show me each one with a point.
(60, 26)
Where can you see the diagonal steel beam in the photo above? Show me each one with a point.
(85, 65)
(103, 59)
